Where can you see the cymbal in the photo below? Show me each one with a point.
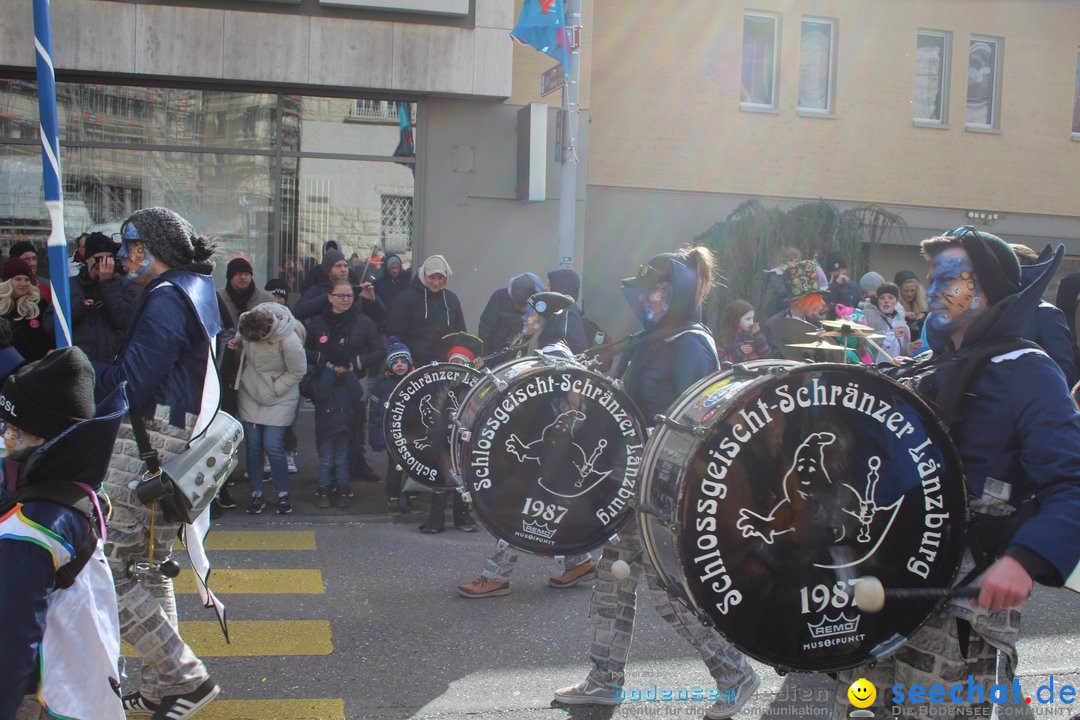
(847, 325)
(818, 346)
(841, 333)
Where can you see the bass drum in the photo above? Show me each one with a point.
(418, 418)
(773, 486)
(550, 454)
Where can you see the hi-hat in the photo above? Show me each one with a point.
(848, 325)
(822, 345)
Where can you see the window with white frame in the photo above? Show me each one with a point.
(1076, 99)
(760, 60)
(984, 82)
(931, 102)
(397, 223)
(817, 63)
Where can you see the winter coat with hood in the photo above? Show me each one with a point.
(98, 327)
(271, 369)
(420, 318)
(502, 320)
(568, 282)
(387, 286)
(662, 367)
(1016, 423)
(1049, 328)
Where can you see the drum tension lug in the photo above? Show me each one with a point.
(692, 428)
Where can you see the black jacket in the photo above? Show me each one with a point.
(100, 313)
(420, 318)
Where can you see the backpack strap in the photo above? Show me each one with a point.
(73, 497)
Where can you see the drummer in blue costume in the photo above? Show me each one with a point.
(545, 330)
(673, 352)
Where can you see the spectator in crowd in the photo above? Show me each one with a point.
(319, 274)
(772, 300)
(1048, 326)
(102, 300)
(27, 252)
(739, 337)
(239, 294)
(280, 289)
(398, 364)
(426, 311)
(913, 300)
(29, 314)
(164, 363)
(504, 315)
(336, 268)
(10, 358)
(842, 291)
(494, 580)
(60, 648)
(869, 283)
(272, 363)
(393, 280)
(75, 262)
(342, 343)
(887, 318)
(568, 282)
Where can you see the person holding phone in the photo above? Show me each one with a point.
(102, 300)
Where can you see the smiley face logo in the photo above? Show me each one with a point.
(862, 693)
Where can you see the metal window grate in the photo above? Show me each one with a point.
(397, 223)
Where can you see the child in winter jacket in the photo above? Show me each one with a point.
(398, 365)
(740, 338)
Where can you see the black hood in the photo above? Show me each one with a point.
(682, 309)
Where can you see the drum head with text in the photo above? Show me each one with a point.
(806, 481)
(552, 461)
(418, 416)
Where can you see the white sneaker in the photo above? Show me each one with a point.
(732, 699)
(586, 693)
(290, 460)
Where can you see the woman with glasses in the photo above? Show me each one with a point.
(23, 306)
(342, 344)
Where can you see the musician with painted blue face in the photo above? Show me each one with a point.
(1018, 433)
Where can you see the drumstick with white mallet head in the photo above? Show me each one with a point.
(870, 594)
(621, 569)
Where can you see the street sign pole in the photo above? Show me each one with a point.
(568, 178)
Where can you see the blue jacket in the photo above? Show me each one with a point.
(377, 408)
(660, 369)
(1017, 423)
(164, 355)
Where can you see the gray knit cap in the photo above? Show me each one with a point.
(169, 237)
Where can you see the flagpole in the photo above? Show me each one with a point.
(50, 164)
(568, 179)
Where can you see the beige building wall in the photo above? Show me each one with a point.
(666, 115)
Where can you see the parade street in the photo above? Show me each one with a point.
(349, 614)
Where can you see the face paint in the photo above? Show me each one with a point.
(747, 321)
(137, 273)
(955, 297)
(657, 301)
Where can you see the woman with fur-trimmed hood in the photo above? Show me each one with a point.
(426, 311)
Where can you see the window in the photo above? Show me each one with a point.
(817, 65)
(761, 47)
(1076, 100)
(397, 212)
(932, 50)
(984, 82)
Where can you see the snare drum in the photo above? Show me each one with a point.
(772, 486)
(549, 453)
(417, 423)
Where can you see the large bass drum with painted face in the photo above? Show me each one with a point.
(550, 454)
(771, 487)
(418, 418)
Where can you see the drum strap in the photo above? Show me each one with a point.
(635, 342)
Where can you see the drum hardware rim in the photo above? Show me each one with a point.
(613, 538)
(696, 429)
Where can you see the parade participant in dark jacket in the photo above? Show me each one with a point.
(164, 363)
(1047, 326)
(568, 282)
(393, 281)
(342, 344)
(504, 315)
(426, 312)
(29, 314)
(102, 300)
(1018, 435)
(674, 352)
(61, 642)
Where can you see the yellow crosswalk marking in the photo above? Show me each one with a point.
(314, 709)
(254, 638)
(265, 582)
(261, 540)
